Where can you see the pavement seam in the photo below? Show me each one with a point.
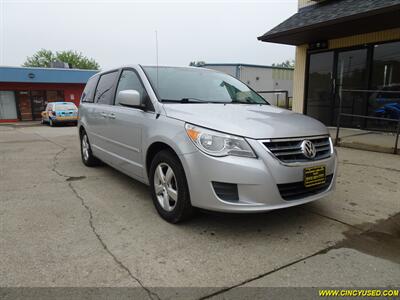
(369, 166)
(323, 251)
(105, 247)
(333, 219)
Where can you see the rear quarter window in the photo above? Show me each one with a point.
(88, 92)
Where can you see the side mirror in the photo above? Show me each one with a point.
(130, 98)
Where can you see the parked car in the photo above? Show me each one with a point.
(201, 138)
(60, 113)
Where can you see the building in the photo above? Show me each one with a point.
(25, 92)
(261, 78)
(348, 51)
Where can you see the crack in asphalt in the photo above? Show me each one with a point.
(105, 247)
(55, 164)
(152, 294)
(69, 179)
(369, 166)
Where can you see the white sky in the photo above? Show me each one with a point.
(123, 32)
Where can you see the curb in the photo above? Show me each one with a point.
(19, 125)
(366, 147)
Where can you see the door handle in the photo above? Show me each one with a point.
(103, 114)
(111, 116)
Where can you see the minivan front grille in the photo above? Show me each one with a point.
(297, 190)
(289, 150)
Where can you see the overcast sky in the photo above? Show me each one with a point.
(123, 32)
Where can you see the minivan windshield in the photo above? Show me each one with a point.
(184, 85)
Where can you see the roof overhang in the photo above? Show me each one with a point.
(370, 21)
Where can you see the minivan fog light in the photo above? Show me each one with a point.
(217, 143)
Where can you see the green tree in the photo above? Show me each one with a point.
(285, 64)
(43, 58)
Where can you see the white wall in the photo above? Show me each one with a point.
(231, 70)
(262, 79)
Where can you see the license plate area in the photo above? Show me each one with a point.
(314, 176)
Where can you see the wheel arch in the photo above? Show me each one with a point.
(81, 130)
(152, 151)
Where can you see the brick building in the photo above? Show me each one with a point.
(25, 92)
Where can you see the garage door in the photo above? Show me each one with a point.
(8, 109)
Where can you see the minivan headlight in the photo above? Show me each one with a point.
(217, 143)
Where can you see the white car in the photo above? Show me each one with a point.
(60, 113)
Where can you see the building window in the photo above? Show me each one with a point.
(24, 105)
(386, 79)
(319, 95)
(54, 96)
(386, 66)
(367, 80)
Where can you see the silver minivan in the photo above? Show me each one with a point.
(203, 139)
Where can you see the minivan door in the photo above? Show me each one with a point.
(126, 124)
(97, 115)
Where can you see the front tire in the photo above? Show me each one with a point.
(87, 156)
(169, 188)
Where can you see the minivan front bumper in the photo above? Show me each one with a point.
(256, 180)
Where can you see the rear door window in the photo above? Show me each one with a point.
(105, 88)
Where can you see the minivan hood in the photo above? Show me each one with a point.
(247, 120)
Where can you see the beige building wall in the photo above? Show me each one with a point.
(304, 3)
(301, 56)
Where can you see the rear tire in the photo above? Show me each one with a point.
(87, 156)
(169, 188)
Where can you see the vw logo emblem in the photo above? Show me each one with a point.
(308, 149)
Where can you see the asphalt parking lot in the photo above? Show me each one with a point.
(66, 225)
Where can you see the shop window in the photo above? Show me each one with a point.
(54, 96)
(386, 81)
(24, 105)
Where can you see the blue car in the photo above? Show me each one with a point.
(389, 110)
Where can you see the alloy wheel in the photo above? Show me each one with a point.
(165, 186)
(85, 147)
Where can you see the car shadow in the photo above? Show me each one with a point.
(292, 218)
